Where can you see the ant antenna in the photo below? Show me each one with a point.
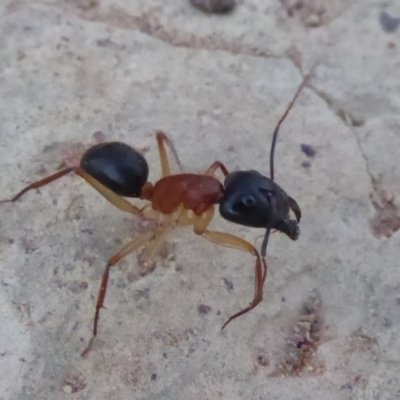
(272, 154)
(276, 131)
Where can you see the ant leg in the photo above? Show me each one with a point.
(112, 197)
(154, 248)
(166, 171)
(214, 166)
(38, 184)
(295, 208)
(228, 240)
(225, 239)
(161, 139)
(131, 247)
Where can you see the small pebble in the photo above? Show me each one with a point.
(388, 197)
(294, 357)
(67, 389)
(214, 6)
(99, 137)
(313, 21)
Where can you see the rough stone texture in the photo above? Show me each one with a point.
(217, 85)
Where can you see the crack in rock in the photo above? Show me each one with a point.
(149, 24)
(387, 217)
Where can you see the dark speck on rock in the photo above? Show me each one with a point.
(308, 150)
(203, 309)
(388, 23)
(83, 285)
(306, 164)
(228, 283)
(263, 360)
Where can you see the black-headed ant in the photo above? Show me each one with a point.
(248, 198)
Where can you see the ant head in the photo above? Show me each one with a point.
(251, 199)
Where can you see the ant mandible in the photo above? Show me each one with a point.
(248, 198)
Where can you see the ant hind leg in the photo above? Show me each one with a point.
(112, 197)
(129, 248)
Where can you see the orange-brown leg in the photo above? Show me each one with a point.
(155, 247)
(200, 224)
(131, 247)
(112, 197)
(228, 240)
(214, 166)
(161, 139)
(38, 184)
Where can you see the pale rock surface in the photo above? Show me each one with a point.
(217, 85)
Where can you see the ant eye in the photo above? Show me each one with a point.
(249, 201)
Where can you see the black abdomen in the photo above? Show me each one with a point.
(117, 166)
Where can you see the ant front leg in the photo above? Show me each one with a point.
(228, 240)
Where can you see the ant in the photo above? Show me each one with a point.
(248, 198)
